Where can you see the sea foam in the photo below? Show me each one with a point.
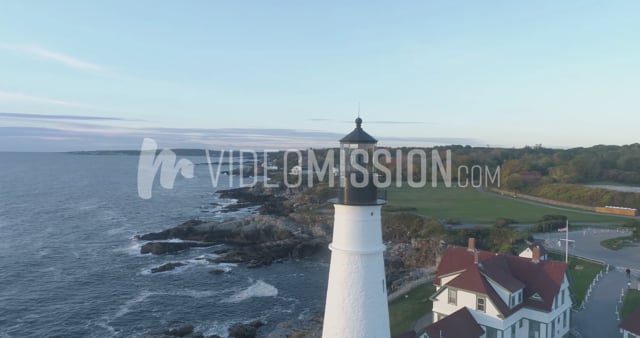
(257, 289)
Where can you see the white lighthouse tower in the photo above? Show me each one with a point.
(356, 304)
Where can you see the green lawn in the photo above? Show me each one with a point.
(631, 303)
(404, 311)
(471, 206)
(616, 243)
(582, 274)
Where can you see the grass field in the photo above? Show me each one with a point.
(404, 311)
(471, 206)
(582, 274)
(631, 303)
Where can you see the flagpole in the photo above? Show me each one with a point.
(566, 244)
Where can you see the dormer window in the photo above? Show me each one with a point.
(515, 299)
(520, 297)
(536, 296)
(481, 304)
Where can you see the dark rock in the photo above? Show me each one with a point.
(260, 262)
(267, 253)
(246, 194)
(166, 267)
(181, 231)
(241, 330)
(182, 330)
(308, 327)
(258, 240)
(216, 271)
(276, 206)
(159, 248)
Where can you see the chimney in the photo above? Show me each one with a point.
(535, 254)
(475, 257)
(472, 244)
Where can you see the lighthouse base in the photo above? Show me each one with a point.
(356, 303)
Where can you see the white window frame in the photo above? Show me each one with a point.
(455, 296)
(484, 303)
(520, 297)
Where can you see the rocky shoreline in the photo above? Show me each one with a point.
(238, 330)
(253, 241)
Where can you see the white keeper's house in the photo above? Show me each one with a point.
(489, 295)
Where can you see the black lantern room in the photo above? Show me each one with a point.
(357, 186)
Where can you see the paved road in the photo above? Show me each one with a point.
(598, 319)
(587, 244)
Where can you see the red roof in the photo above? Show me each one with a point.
(510, 272)
(544, 278)
(456, 259)
(497, 269)
(459, 324)
(473, 280)
(632, 322)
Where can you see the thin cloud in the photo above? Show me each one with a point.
(397, 122)
(50, 55)
(369, 121)
(76, 135)
(61, 117)
(430, 141)
(20, 97)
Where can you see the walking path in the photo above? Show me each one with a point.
(599, 318)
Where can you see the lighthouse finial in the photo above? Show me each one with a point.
(358, 120)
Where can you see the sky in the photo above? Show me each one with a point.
(85, 75)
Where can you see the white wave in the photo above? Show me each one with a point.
(87, 205)
(194, 262)
(105, 325)
(126, 307)
(133, 248)
(257, 289)
(226, 267)
(203, 259)
(120, 230)
(195, 293)
(216, 328)
(305, 315)
(176, 240)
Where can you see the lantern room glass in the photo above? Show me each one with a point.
(356, 153)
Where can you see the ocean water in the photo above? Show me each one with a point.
(69, 266)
